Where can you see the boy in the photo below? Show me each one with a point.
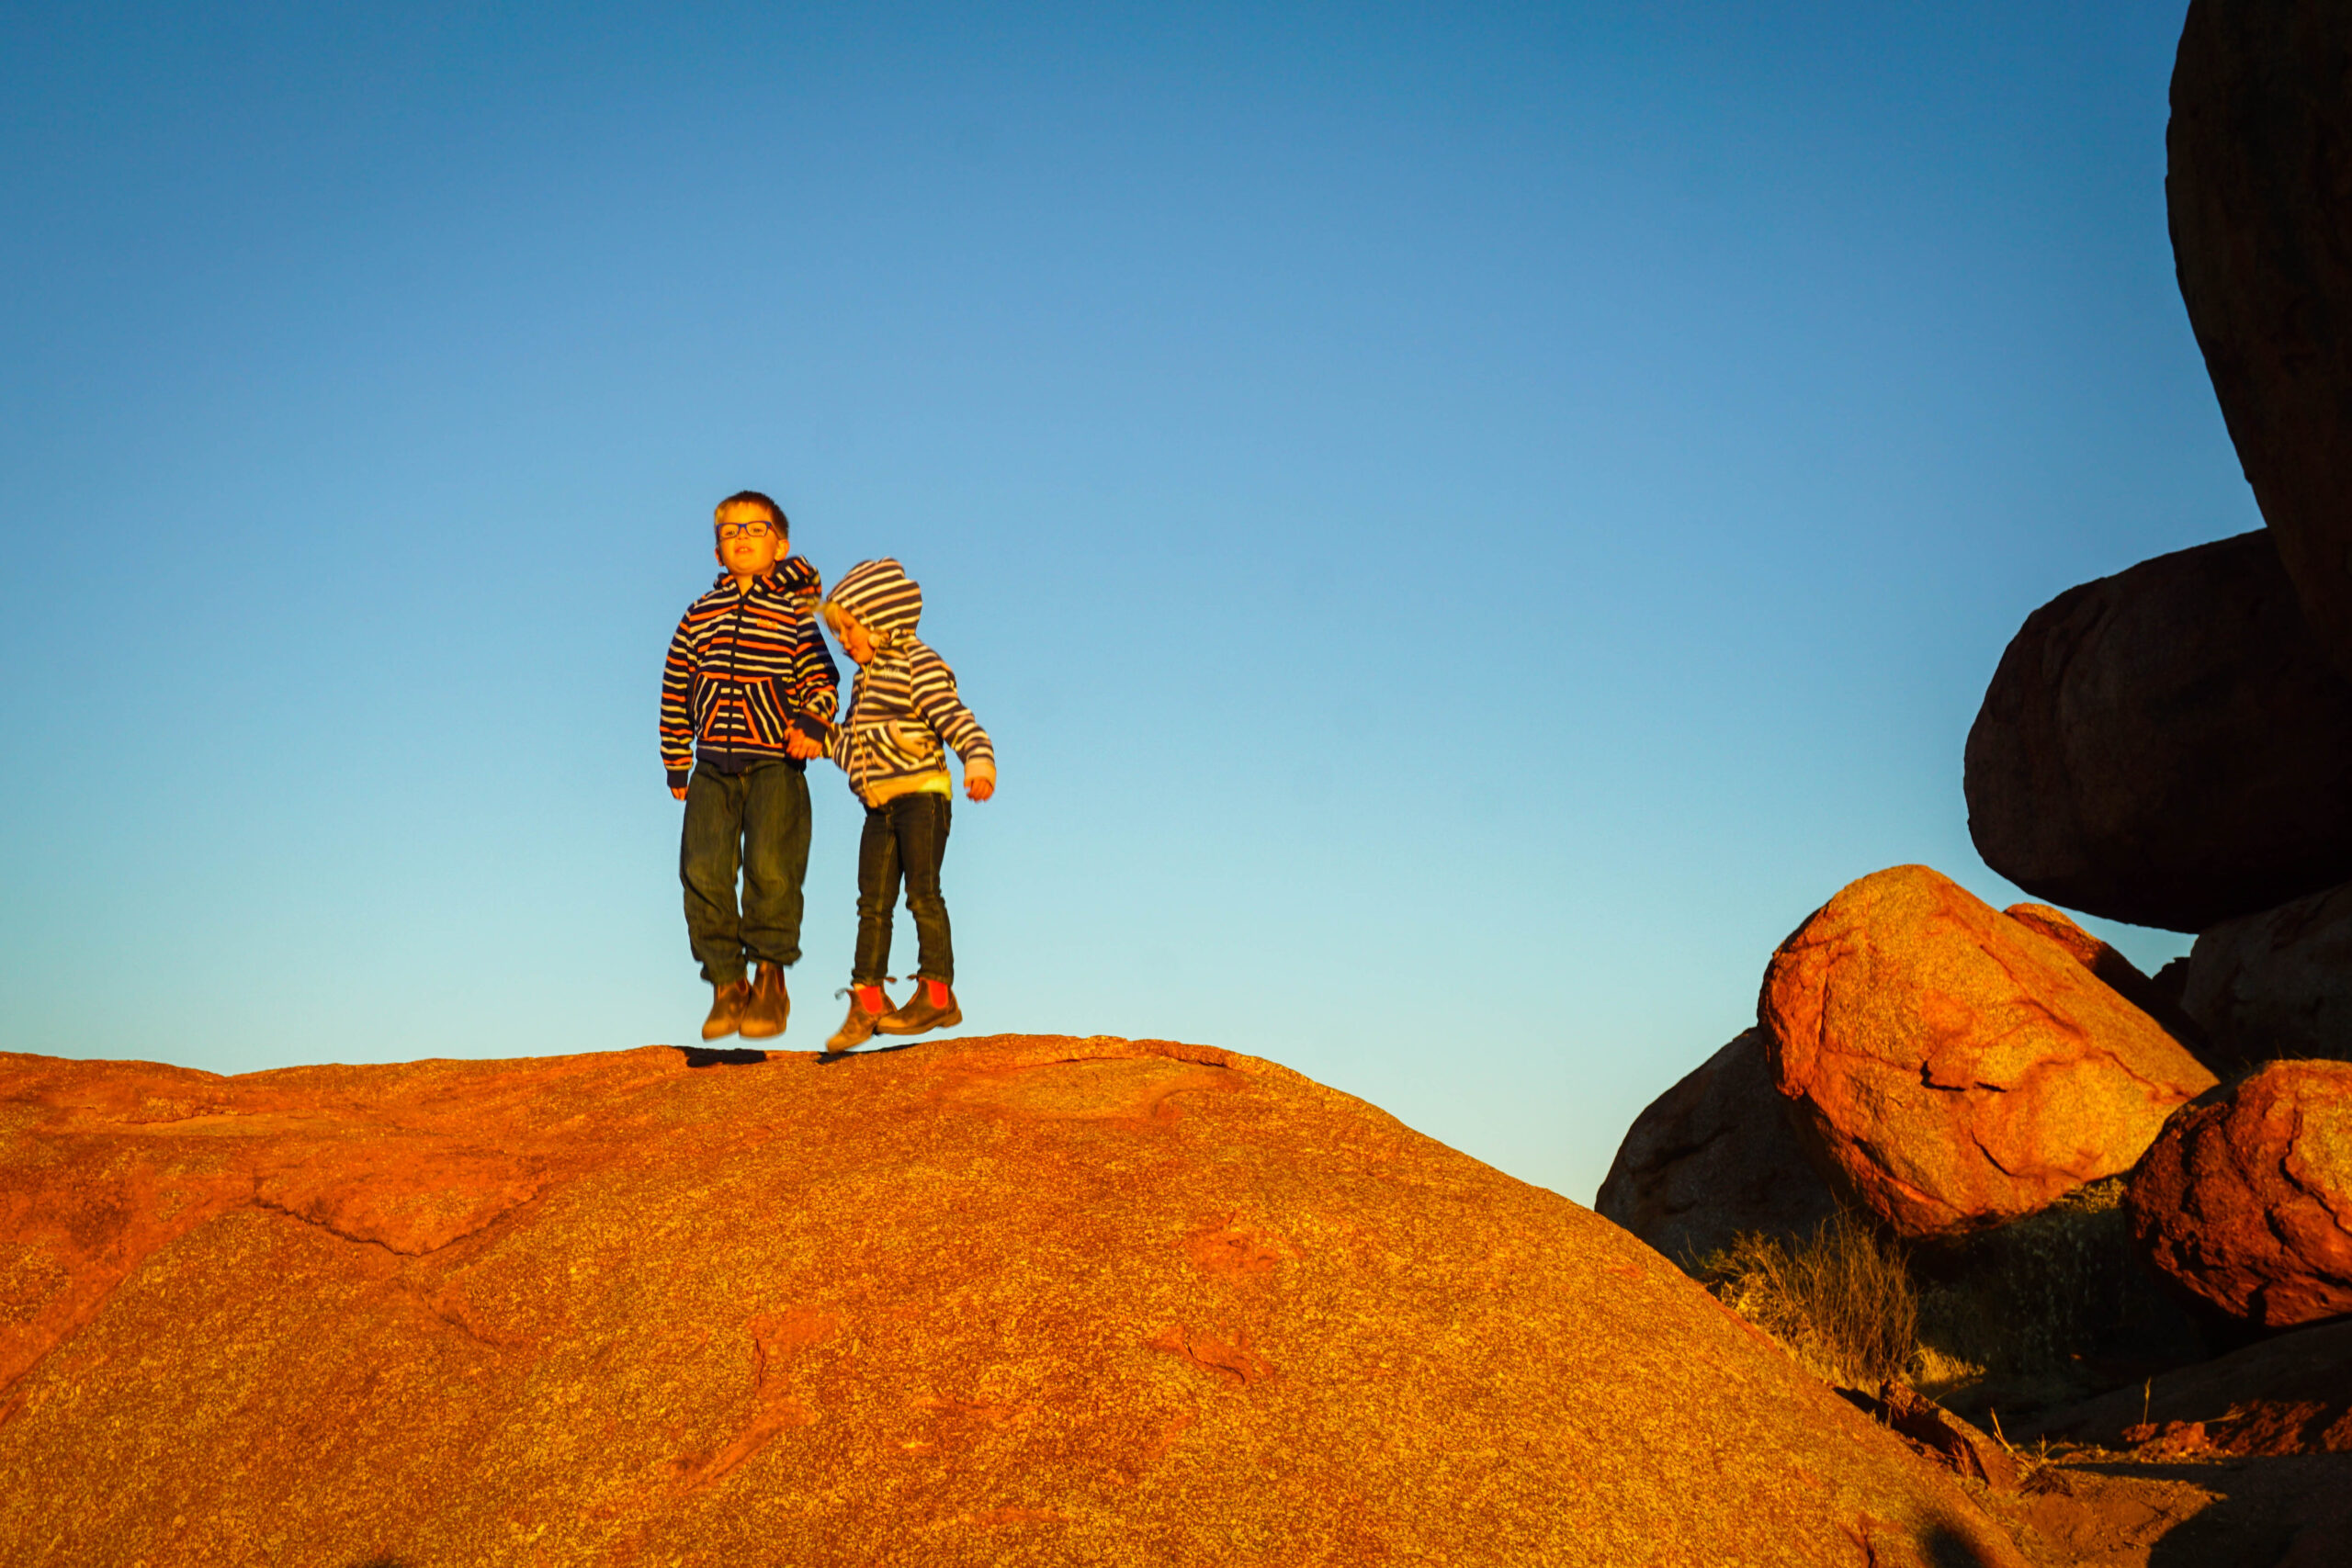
(747, 674)
(904, 714)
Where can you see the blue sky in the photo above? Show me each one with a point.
(1464, 529)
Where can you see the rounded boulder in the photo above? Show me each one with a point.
(2279, 983)
(2245, 1201)
(1714, 1157)
(1953, 1067)
(2168, 746)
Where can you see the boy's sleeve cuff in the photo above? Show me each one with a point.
(678, 777)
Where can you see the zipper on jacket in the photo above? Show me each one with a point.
(734, 647)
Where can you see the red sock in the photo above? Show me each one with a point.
(871, 998)
(938, 992)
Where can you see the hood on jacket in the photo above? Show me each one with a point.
(881, 597)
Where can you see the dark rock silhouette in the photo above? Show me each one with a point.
(1714, 1156)
(2279, 983)
(2184, 1508)
(2267, 1429)
(2259, 188)
(2289, 1394)
(1019, 1300)
(1951, 1067)
(2169, 746)
(2245, 1199)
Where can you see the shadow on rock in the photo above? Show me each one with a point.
(835, 1059)
(1943, 1547)
(2287, 1512)
(711, 1057)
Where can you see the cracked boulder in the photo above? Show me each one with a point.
(2118, 972)
(1953, 1067)
(2246, 1201)
(2168, 746)
(1019, 1300)
(1714, 1157)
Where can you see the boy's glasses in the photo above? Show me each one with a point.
(747, 530)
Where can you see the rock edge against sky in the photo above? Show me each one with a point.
(1015, 1299)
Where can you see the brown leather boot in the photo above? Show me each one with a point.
(727, 1004)
(858, 1027)
(771, 1006)
(919, 1014)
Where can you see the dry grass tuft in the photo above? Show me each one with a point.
(2032, 1296)
(1842, 1302)
(2038, 1312)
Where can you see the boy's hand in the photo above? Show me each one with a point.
(979, 782)
(679, 792)
(804, 746)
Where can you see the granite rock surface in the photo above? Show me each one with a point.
(1953, 1068)
(1017, 1300)
(2246, 1200)
(2118, 972)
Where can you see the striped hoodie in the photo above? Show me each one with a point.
(741, 668)
(903, 710)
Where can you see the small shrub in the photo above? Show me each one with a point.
(2040, 1312)
(1842, 1300)
(2054, 1307)
(2029, 1296)
(1938, 1373)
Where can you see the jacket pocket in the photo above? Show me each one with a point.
(703, 702)
(765, 706)
(915, 744)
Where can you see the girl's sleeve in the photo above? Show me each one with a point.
(942, 708)
(816, 679)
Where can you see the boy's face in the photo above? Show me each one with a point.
(856, 641)
(750, 541)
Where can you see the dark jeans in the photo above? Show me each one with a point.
(759, 820)
(906, 837)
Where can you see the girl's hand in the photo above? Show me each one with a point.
(979, 782)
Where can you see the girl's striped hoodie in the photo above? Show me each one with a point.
(743, 668)
(903, 710)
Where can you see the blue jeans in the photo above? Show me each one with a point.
(904, 838)
(758, 820)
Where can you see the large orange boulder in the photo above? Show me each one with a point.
(2118, 972)
(1953, 1067)
(2168, 746)
(1714, 1157)
(2246, 1200)
(2257, 186)
(1011, 1301)
(2278, 983)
